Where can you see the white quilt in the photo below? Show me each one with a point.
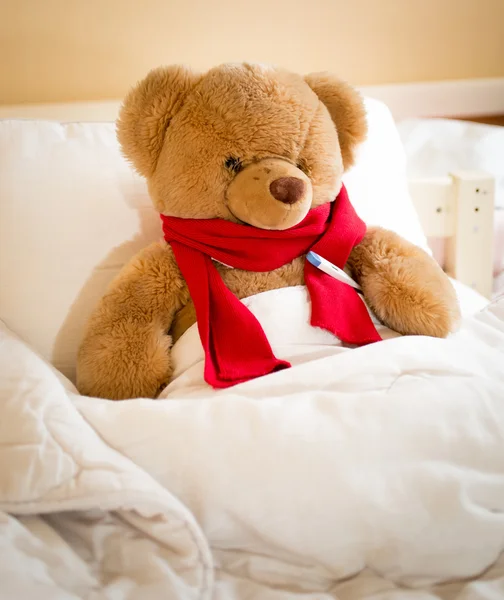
(358, 474)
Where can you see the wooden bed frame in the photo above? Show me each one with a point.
(458, 208)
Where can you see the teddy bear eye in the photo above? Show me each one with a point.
(302, 166)
(233, 164)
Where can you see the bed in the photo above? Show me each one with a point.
(368, 474)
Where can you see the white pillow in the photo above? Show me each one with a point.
(435, 147)
(378, 184)
(72, 212)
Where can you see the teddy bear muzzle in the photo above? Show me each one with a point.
(270, 194)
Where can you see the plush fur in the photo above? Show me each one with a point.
(255, 145)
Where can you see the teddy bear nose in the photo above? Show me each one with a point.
(287, 189)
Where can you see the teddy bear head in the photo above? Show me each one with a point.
(247, 143)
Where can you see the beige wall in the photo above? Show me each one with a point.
(63, 50)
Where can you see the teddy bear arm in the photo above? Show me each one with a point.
(406, 288)
(125, 352)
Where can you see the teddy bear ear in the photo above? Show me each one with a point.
(147, 111)
(346, 107)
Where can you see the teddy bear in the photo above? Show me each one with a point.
(244, 164)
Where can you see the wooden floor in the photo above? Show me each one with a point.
(490, 120)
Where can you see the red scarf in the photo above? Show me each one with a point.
(235, 345)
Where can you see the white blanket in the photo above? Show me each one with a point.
(371, 473)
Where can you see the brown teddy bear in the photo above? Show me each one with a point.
(245, 164)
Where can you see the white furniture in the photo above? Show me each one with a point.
(460, 209)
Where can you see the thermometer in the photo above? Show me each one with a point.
(332, 270)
